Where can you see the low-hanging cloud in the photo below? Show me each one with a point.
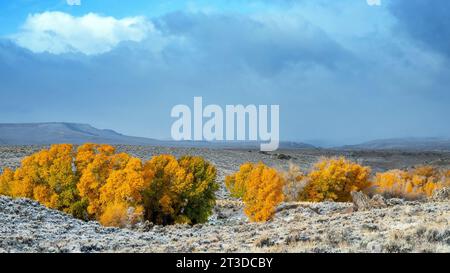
(428, 22)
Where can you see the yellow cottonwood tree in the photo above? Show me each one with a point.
(179, 191)
(160, 201)
(260, 187)
(199, 194)
(334, 179)
(123, 190)
(263, 193)
(6, 179)
(47, 176)
(237, 182)
(413, 184)
(393, 183)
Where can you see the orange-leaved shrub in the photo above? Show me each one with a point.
(261, 189)
(96, 183)
(413, 184)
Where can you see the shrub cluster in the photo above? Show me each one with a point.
(96, 183)
(262, 188)
(413, 184)
(330, 179)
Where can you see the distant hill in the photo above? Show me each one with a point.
(283, 145)
(295, 145)
(422, 144)
(76, 133)
(60, 132)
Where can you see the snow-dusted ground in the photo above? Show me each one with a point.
(26, 226)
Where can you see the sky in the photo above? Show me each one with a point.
(342, 72)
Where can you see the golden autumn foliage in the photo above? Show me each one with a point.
(120, 215)
(331, 179)
(47, 176)
(5, 181)
(236, 183)
(263, 194)
(334, 179)
(179, 191)
(96, 183)
(95, 164)
(416, 183)
(261, 188)
(93, 182)
(115, 215)
(123, 189)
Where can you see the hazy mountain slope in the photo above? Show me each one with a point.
(48, 133)
(76, 133)
(430, 144)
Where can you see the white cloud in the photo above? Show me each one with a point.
(58, 32)
(74, 2)
(374, 2)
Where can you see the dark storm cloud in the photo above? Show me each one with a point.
(426, 21)
(264, 44)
